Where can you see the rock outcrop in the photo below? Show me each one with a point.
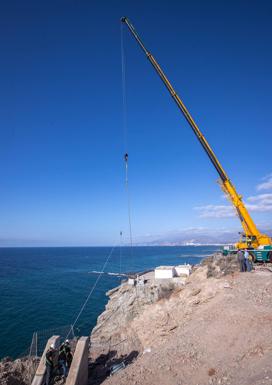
(117, 327)
(18, 372)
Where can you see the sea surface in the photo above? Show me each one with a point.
(43, 289)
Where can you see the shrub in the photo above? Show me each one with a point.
(166, 290)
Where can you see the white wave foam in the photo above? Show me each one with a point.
(195, 256)
(108, 273)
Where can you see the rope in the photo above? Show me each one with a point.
(91, 292)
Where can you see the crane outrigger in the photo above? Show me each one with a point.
(260, 244)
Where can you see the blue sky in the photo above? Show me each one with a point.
(61, 147)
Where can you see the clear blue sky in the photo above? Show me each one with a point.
(61, 147)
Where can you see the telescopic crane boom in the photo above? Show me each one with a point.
(252, 236)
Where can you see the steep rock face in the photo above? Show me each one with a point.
(121, 327)
(116, 329)
(18, 372)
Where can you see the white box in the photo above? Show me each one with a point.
(183, 270)
(163, 272)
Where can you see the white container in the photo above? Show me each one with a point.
(183, 270)
(163, 272)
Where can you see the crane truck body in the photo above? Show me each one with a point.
(259, 244)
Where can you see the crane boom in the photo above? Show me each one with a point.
(252, 235)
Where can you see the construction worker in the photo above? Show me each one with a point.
(63, 360)
(247, 263)
(241, 260)
(65, 357)
(49, 363)
(69, 356)
(250, 259)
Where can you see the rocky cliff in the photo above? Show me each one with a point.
(213, 328)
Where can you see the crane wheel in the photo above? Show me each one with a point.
(269, 255)
(253, 257)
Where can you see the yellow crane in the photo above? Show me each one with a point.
(259, 244)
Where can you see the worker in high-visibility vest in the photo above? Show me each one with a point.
(50, 363)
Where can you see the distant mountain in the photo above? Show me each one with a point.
(193, 236)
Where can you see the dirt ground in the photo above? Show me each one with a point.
(214, 331)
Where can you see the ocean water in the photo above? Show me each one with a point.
(44, 288)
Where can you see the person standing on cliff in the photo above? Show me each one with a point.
(241, 260)
(246, 256)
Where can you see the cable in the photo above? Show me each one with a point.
(128, 203)
(124, 90)
(124, 109)
(92, 289)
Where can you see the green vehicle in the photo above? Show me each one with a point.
(262, 254)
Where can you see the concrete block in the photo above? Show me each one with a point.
(39, 377)
(78, 373)
(131, 281)
(163, 272)
(183, 270)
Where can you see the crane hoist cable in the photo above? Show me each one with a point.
(128, 202)
(124, 110)
(124, 89)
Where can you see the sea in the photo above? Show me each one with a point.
(43, 289)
